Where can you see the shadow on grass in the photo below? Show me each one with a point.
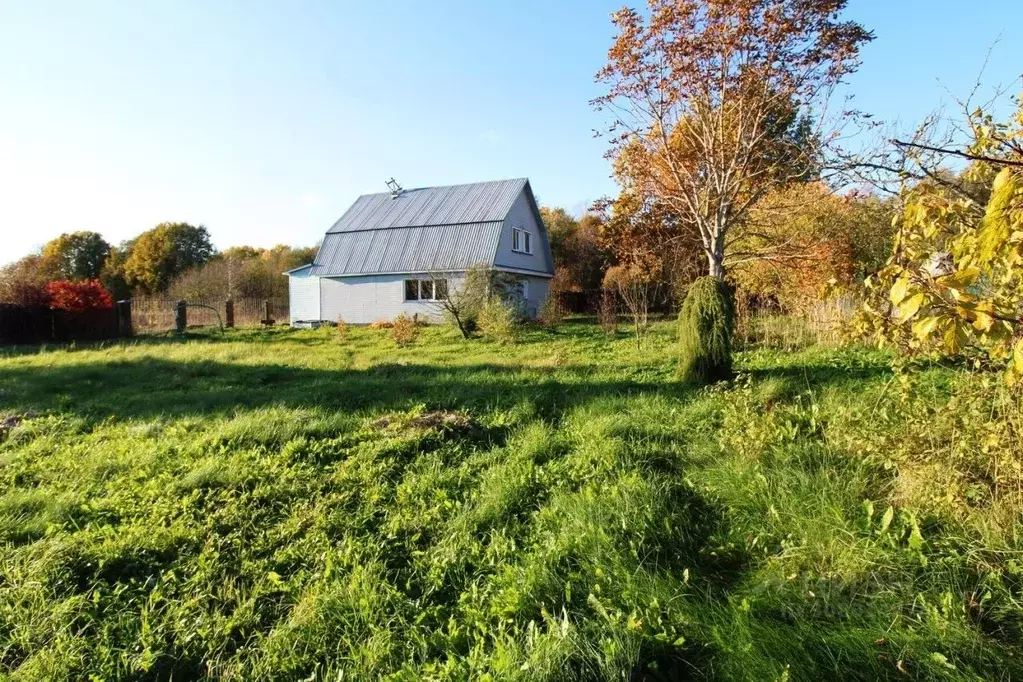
(816, 377)
(151, 387)
(148, 387)
(278, 333)
(697, 539)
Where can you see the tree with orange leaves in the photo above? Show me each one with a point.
(802, 240)
(710, 103)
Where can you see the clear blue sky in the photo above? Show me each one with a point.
(264, 120)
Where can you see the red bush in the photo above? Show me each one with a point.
(78, 296)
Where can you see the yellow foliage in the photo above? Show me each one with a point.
(955, 281)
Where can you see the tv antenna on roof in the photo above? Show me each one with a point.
(395, 188)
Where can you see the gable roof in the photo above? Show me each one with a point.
(421, 230)
(478, 202)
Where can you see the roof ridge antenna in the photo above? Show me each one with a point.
(395, 188)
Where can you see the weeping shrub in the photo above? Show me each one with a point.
(705, 332)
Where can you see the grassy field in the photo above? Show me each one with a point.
(284, 505)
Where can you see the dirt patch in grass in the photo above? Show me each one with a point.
(445, 420)
(11, 421)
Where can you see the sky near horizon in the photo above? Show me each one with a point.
(264, 120)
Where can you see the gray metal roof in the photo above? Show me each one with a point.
(421, 230)
(479, 202)
(427, 248)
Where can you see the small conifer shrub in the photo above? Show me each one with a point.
(705, 332)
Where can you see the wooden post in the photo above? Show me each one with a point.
(181, 317)
(124, 318)
(229, 313)
(267, 321)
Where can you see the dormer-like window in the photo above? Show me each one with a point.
(522, 241)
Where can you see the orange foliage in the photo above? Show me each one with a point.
(803, 240)
(707, 102)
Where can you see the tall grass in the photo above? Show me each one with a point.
(276, 505)
(822, 323)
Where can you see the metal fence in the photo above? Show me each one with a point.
(151, 314)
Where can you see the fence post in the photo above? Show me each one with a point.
(124, 318)
(181, 317)
(267, 322)
(229, 313)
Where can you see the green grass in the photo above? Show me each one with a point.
(281, 505)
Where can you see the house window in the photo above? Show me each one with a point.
(522, 241)
(412, 290)
(426, 290)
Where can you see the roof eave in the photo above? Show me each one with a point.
(446, 271)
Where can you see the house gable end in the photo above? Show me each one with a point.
(524, 214)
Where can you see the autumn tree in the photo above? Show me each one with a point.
(711, 101)
(242, 272)
(111, 275)
(585, 261)
(560, 225)
(74, 256)
(579, 262)
(22, 283)
(804, 239)
(160, 254)
(639, 233)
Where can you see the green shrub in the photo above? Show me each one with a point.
(498, 321)
(405, 330)
(464, 318)
(705, 332)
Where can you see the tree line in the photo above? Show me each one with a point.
(173, 259)
(819, 240)
(808, 240)
(729, 158)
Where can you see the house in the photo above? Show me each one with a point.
(400, 251)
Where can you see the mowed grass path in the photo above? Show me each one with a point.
(281, 505)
